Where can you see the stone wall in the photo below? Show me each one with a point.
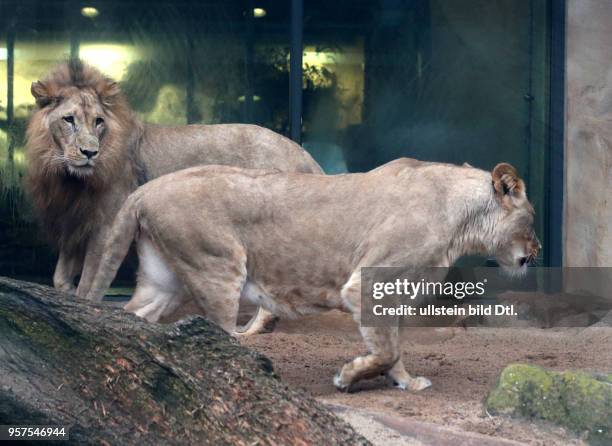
(588, 150)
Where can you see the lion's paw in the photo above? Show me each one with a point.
(67, 288)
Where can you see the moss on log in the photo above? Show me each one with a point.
(115, 379)
(577, 400)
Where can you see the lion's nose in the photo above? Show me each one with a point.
(538, 246)
(89, 153)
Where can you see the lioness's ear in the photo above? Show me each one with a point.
(507, 183)
(108, 92)
(41, 93)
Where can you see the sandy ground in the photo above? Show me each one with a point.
(462, 364)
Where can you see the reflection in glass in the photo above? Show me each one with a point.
(438, 80)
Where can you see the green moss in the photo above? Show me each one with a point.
(577, 400)
(40, 332)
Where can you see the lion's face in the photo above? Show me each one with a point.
(77, 126)
(519, 247)
(80, 126)
(516, 243)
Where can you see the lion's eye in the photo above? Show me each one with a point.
(69, 119)
(99, 121)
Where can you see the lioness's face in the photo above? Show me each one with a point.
(516, 243)
(77, 127)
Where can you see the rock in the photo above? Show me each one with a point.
(577, 400)
(115, 379)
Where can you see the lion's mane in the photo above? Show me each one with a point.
(69, 206)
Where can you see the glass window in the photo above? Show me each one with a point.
(437, 80)
(178, 63)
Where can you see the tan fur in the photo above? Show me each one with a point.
(295, 244)
(77, 197)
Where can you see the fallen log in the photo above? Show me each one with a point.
(114, 379)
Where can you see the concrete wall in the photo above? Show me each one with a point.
(588, 151)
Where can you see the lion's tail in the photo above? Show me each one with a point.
(123, 233)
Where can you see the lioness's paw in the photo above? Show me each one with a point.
(414, 384)
(341, 385)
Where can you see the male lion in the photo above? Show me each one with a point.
(88, 151)
(296, 243)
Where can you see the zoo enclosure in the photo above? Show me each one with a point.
(358, 83)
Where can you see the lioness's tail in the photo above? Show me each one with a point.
(123, 233)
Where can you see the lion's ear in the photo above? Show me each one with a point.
(507, 183)
(41, 93)
(108, 92)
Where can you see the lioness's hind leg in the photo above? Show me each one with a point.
(150, 302)
(158, 293)
(219, 298)
(215, 284)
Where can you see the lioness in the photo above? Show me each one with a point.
(87, 151)
(296, 243)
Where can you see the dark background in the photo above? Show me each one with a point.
(439, 80)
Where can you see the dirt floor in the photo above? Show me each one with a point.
(462, 364)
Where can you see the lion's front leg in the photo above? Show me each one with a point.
(95, 249)
(384, 355)
(67, 268)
